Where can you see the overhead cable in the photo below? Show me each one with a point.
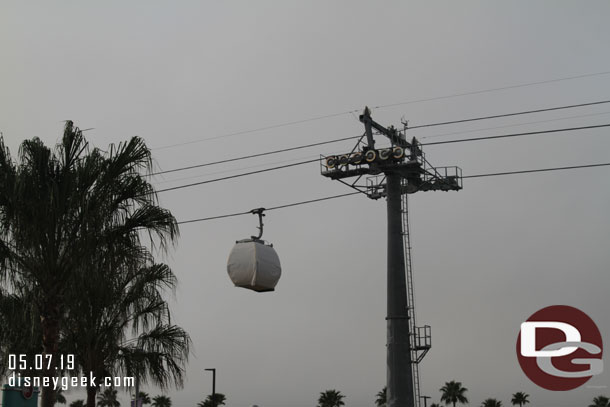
(425, 144)
(497, 116)
(327, 116)
(355, 137)
(529, 133)
(356, 193)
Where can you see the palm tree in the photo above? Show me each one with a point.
(381, 400)
(491, 403)
(600, 401)
(144, 397)
(161, 401)
(122, 299)
(453, 392)
(57, 208)
(78, 403)
(520, 398)
(331, 398)
(108, 398)
(24, 335)
(219, 399)
(59, 396)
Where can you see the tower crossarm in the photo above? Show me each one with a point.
(390, 133)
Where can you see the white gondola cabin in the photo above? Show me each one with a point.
(253, 263)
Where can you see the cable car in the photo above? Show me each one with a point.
(253, 263)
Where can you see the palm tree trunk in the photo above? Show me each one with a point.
(49, 322)
(91, 392)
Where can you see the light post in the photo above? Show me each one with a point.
(213, 370)
(136, 403)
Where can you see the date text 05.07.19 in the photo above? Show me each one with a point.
(40, 362)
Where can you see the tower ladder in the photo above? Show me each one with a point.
(410, 295)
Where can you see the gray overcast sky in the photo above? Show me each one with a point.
(485, 258)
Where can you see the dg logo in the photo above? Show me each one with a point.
(560, 348)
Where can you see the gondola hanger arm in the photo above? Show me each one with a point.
(259, 212)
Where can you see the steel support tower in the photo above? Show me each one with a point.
(395, 171)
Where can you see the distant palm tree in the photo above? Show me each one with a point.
(520, 398)
(144, 397)
(218, 400)
(108, 398)
(491, 403)
(331, 398)
(600, 401)
(453, 392)
(381, 399)
(59, 397)
(78, 403)
(161, 401)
